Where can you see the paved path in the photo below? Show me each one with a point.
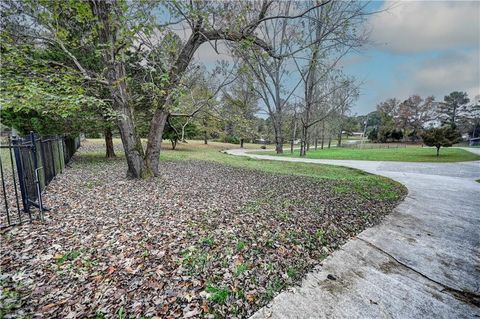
(422, 261)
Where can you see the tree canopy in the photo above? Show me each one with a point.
(442, 136)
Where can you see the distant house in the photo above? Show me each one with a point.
(355, 133)
(262, 141)
(474, 141)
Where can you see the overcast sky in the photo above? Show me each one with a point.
(416, 47)
(419, 47)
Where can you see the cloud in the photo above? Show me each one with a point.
(438, 76)
(206, 52)
(416, 26)
(353, 59)
(454, 71)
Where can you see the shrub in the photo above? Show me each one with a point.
(373, 135)
(231, 139)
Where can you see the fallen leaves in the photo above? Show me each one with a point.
(201, 240)
(110, 270)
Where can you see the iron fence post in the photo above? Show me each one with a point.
(4, 192)
(37, 176)
(39, 196)
(34, 150)
(14, 179)
(53, 157)
(21, 176)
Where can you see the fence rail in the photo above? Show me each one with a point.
(374, 145)
(27, 166)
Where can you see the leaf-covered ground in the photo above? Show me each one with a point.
(202, 240)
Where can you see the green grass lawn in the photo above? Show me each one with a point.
(409, 154)
(350, 181)
(5, 158)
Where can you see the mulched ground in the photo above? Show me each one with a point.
(201, 240)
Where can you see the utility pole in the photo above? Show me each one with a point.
(364, 130)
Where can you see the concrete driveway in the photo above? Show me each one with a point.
(422, 261)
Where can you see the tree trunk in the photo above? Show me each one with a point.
(294, 136)
(438, 150)
(278, 137)
(316, 143)
(130, 140)
(339, 143)
(323, 134)
(116, 75)
(174, 143)
(241, 143)
(110, 152)
(152, 156)
(279, 145)
(329, 141)
(157, 124)
(303, 143)
(205, 138)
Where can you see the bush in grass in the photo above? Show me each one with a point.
(373, 135)
(231, 139)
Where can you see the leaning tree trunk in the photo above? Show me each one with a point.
(152, 156)
(125, 121)
(112, 59)
(131, 142)
(110, 152)
(154, 144)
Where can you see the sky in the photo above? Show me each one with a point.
(418, 47)
(415, 47)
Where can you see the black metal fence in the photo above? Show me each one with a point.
(27, 166)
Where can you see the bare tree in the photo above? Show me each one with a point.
(116, 30)
(333, 32)
(272, 74)
(413, 113)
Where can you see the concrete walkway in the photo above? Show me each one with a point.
(422, 261)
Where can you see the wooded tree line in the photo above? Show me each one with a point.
(103, 65)
(396, 120)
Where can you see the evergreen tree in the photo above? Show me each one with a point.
(442, 136)
(454, 108)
